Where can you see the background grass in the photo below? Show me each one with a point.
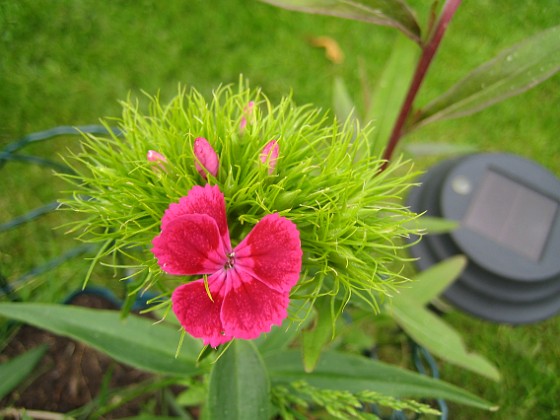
(68, 62)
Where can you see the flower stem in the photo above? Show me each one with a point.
(428, 53)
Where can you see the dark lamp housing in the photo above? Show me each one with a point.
(508, 209)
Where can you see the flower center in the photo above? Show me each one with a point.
(230, 260)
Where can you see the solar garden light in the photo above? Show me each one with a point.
(508, 209)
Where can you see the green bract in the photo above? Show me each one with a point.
(347, 209)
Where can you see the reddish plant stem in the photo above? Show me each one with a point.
(428, 53)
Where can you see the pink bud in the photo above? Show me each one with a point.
(154, 156)
(269, 155)
(242, 124)
(206, 159)
(247, 115)
(248, 110)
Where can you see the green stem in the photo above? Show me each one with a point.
(428, 53)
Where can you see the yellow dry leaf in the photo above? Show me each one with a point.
(333, 52)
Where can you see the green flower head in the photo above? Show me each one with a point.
(291, 160)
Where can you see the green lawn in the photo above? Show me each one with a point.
(69, 62)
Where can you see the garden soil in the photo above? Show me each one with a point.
(70, 374)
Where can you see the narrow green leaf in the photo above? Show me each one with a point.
(135, 341)
(433, 225)
(204, 353)
(510, 73)
(439, 149)
(315, 339)
(149, 417)
(427, 329)
(14, 371)
(390, 91)
(239, 387)
(342, 102)
(429, 284)
(394, 13)
(278, 339)
(431, 332)
(349, 372)
(195, 395)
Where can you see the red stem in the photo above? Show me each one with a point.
(428, 52)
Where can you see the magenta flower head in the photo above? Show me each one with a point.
(247, 289)
(206, 159)
(269, 155)
(158, 158)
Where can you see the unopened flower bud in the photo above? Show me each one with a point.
(269, 155)
(242, 125)
(247, 116)
(206, 159)
(158, 158)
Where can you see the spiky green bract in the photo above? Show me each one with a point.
(348, 212)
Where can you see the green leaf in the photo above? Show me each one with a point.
(394, 13)
(315, 339)
(195, 395)
(17, 369)
(135, 341)
(149, 417)
(512, 72)
(278, 339)
(239, 385)
(390, 91)
(433, 225)
(352, 373)
(342, 102)
(439, 149)
(429, 284)
(429, 330)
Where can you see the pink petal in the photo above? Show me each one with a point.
(201, 200)
(190, 244)
(272, 253)
(269, 155)
(199, 315)
(206, 159)
(250, 307)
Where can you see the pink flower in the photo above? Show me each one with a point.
(206, 159)
(247, 289)
(269, 155)
(154, 156)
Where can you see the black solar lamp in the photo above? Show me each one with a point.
(508, 209)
